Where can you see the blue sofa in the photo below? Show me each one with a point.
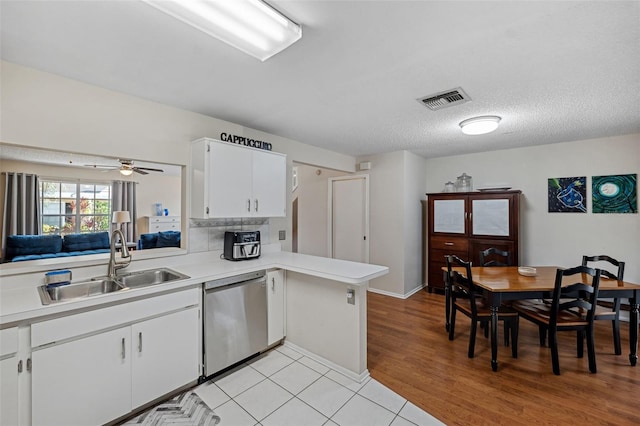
(32, 247)
(159, 239)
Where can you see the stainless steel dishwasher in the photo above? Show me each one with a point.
(235, 320)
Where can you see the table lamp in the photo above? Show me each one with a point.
(119, 217)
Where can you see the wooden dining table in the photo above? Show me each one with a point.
(501, 284)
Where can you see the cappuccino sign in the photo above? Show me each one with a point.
(241, 140)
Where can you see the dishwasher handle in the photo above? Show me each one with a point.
(217, 285)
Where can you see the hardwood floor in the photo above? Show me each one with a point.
(409, 352)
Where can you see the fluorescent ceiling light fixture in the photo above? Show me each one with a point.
(480, 125)
(251, 26)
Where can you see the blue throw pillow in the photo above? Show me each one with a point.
(24, 245)
(168, 239)
(148, 241)
(81, 242)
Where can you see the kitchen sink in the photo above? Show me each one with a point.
(150, 277)
(78, 290)
(105, 285)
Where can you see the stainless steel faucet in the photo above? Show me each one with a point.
(114, 265)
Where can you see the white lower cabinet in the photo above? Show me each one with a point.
(84, 376)
(165, 354)
(83, 382)
(10, 368)
(275, 306)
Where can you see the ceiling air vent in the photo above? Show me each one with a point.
(445, 99)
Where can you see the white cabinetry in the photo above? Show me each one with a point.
(83, 382)
(235, 181)
(10, 368)
(275, 306)
(165, 354)
(100, 371)
(159, 223)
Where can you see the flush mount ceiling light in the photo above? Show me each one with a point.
(251, 26)
(480, 125)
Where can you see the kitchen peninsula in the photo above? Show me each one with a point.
(320, 319)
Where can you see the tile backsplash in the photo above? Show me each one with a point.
(208, 234)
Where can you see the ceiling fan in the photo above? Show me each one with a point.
(126, 168)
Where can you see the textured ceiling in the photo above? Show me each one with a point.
(554, 71)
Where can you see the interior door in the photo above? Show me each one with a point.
(349, 218)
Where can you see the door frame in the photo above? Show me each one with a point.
(330, 213)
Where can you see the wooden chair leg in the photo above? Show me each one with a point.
(514, 325)
(553, 344)
(486, 327)
(543, 335)
(507, 325)
(452, 323)
(591, 350)
(472, 338)
(580, 343)
(616, 336)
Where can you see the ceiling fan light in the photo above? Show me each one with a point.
(480, 125)
(126, 172)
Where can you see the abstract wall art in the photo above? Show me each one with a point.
(615, 194)
(567, 195)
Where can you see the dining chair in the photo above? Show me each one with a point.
(503, 255)
(496, 257)
(572, 308)
(602, 313)
(473, 306)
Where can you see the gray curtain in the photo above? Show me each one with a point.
(21, 206)
(123, 197)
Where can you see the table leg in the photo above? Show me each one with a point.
(494, 338)
(633, 330)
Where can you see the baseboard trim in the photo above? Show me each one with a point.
(348, 373)
(396, 295)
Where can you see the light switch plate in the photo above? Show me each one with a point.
(282, 235)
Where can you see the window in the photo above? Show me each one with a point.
(74, 207)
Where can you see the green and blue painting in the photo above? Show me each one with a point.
(567, 195)
(615, 194)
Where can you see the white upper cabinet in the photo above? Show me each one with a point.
(235, 181)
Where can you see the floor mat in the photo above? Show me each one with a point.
(184, 409)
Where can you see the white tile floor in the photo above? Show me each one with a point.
(283, 387)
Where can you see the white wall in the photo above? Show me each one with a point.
(557, 238)
(43, 110)
(386, 220)
(312, 193)
(415, 176)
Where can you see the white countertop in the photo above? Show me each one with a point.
(21, 304)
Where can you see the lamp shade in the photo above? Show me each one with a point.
(480, 125)
(121, 216)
